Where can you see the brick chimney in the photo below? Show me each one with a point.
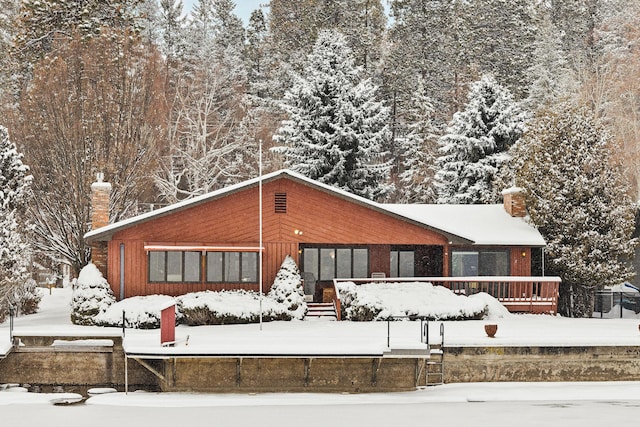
(514, 203)
(100, 192)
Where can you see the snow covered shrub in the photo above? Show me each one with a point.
(24, 297)
(141, 312)
(381, 301)
(352, 308)
(287, 289)
(91, 296)
(228, 307)
(27, 297)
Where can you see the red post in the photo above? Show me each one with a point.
(168, 325)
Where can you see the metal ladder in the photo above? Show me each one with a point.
(434, 374)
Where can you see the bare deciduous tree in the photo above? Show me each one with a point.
(96, 106)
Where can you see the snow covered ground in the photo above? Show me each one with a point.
(486, 404)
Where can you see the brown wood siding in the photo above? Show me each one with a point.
(233, 220)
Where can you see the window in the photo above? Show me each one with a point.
(214, 266)
(232, 267)
(480, 263)
(311, 261)
(186, 267)
(328, 263)
(174, 266)
(402, 263)
(360, 263)
(157, 266)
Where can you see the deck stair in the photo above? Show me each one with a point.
(435, 366)
(321, 311)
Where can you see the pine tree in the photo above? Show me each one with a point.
(577, 198)
(229, 32)
(502, 33)
(8, 16)
(551, 76)
(418, 153)
(475, 145)
(172, 28)
(336, 130)
(430, 40)
(14, 188)
(255, 49)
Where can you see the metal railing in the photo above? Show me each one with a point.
(617, 304)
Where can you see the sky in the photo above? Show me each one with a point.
(243, 7)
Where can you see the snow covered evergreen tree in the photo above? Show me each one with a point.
(91, 296)
(551, 76)
(475, 145)
(172, 28)
(8, 66)
(287, 289)
(14, 252)
(418, 153)
(336, 131)
(430, 40)
(577, 198)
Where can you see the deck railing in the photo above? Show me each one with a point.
(517, 293)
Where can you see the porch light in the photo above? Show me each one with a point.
(523, 253)
(297, 232)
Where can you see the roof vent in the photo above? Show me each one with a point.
(281, 202)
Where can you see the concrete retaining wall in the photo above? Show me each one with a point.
(293, 374)
(78, 367)
(73, 368)
(480, 364)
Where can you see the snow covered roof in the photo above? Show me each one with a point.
(481, 224)
(472, 224)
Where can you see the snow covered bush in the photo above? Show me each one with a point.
(27, 297)
(142, 312)
(287, 289)
(228, 307)
(91, 296)
(382, 301)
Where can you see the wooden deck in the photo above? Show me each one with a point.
(522, 294)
